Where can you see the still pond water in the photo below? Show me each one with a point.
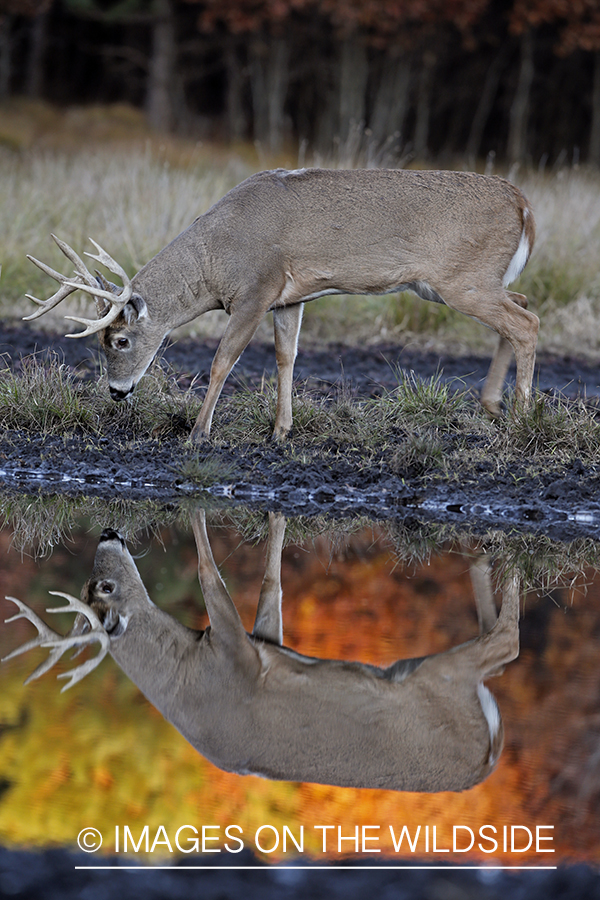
(100, 756)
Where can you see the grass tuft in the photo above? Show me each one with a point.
(45, 396)
(419, 453)
(554, 427)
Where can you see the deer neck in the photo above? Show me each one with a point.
(153, 651)
(174, 283)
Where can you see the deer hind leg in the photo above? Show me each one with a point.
(268, 624)
(501, 644)
(286, 328)
(507, 314)
(479, 570)
(240, 329)
(491, 393)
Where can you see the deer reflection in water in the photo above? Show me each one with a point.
(253, 706)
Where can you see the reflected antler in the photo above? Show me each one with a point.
(83, 280)
(58, 643)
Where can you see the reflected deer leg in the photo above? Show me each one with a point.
(479, 570)
(501, 645)
(286, 327)
(224, 618)
(268, 624)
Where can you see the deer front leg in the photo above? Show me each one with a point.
(286, 327)
(226, 625)
(268, 623)
(240, 330)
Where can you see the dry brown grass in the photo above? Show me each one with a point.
(100, 172)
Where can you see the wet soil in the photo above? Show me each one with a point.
(563, 503)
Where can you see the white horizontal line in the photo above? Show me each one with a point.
(322, 868)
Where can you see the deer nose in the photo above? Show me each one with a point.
(117, 394)
(109, 534)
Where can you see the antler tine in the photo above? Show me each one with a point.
(64, 290)
(45, 634)
(59, 644)
(97, 633)
(51, 302)
(117, 301)
(95, 325)
(79, 264)
(107, 260)
(82, 277)
(83, 280)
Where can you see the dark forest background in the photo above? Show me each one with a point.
(518, 80)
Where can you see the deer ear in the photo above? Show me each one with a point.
(107, 285)
(113, 623)
(135, 309)
(103, 305)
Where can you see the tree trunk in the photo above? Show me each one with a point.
(519, 112)
(258, 53)
(35, 62)
(5, 55)
(391, 100)
(237, 120)
(425, 90)
(484, 107)
(269, 77)
(277, 86)
(353, 74)
(594, 151)
(161, 74)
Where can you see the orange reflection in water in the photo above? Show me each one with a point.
(101, 755)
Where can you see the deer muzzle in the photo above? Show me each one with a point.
(117, 394)
(109, 534)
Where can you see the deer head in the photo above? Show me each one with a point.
(129, 338)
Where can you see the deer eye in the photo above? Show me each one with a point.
(107, 587)
(121, 343)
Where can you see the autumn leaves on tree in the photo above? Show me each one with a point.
(427, 78)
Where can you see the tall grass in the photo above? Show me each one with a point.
(134, 202)
(130, 202)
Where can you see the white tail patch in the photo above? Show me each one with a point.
(519, 260)
(492, 715)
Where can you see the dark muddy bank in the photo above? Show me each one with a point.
(562, 502)
(53, 875)
(364, 371)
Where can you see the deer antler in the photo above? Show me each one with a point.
(58, 643)
(83, 280)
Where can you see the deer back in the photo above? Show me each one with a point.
(254, 707)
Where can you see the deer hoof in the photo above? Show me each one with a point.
(198, 436)
(492, 407)
(280, 435)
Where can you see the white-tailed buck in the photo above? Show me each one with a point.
(281, 238)
(253, 706)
